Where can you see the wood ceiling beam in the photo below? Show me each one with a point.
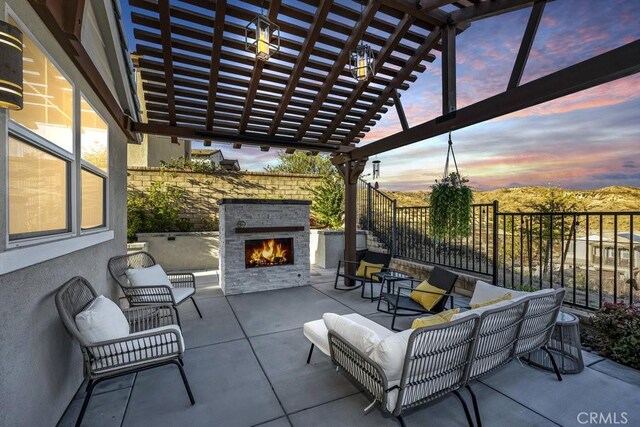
(367, 15)
(216, 50)
(435, 18)
(603, 68)
(527, 42)
(274, 7)
(416, 58)
(401, 115)
(448, 69)
(402, 27)
(167, 57)
(303, 57)
(487, 9)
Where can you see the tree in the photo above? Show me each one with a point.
(301, 162)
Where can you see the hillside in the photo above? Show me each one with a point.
(608, 199)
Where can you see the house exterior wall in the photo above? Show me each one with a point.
(153, 150)
(40, 365)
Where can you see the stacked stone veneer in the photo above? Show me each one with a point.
(250, 213)
(202, 191)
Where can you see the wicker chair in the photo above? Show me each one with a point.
(184, 284)
(346, 270)
(153, 341)
(401, 304)
(437, 362)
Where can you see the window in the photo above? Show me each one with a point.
(94, 148)
(38, 191)
(624, 253)
(48, 98)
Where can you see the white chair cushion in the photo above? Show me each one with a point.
(101, 321)
(481, 310)
(316, 331)
(390, 352)
(361, 337)
(485, 292)
(148, 276)
(180, 294)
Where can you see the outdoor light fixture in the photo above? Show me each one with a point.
(10, 67)
(362, 62)
(262, 37)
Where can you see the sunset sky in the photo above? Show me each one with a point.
(588, 140)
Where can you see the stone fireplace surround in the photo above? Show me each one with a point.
(250, 219)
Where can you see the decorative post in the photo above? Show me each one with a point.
(369, 219)
(350, 171)
(495, 243)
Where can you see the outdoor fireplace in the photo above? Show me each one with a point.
(268, 252)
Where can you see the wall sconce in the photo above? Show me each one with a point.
(262, 37)
(11, 67)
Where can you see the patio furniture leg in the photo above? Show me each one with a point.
(310, 353)
(196, 306)
(401, 421)
(175, 307)
(393, 321)
(90, 385)
(185, 381)
(466, 408)
(553, 362)
(475, 406)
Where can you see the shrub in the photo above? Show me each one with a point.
(450, 207)
(617, 333)
(155, 211)
(327, 202)
(182, 164)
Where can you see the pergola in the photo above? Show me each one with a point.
(200, 83)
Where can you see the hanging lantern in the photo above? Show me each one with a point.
(362, 62)
(10, 67)
(376, 169)
(262, 37)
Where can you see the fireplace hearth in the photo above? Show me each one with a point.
(268, 252)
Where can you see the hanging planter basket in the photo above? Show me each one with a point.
(450, 204)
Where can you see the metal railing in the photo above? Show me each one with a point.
(595, 255)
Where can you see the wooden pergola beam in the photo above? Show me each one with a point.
(303, 57)
(387, 93)
(402, 27)
(448, 69)
(216, 50)
(367, 15)
(609, 66)
(432, 17)
(401, 115)
(487, 9)
(527, 42)
(165, 31)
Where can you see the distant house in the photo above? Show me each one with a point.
(607, 253)
(216, 158)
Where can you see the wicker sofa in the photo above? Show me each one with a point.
(444, 358)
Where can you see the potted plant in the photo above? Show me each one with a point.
(450, 207)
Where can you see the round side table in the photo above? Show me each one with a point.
(564, 345)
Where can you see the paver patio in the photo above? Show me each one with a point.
(246, 364)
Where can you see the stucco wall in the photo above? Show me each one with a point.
(161, 149)
(40, 366)
(202, 191)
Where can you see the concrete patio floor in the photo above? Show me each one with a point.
(246, 358)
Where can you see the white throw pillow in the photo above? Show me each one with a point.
(149, 276)
(101, 321)
(361, 337)
(481, 310)
(485, 292)
(390, 352)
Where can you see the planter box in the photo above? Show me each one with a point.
(183, 251)
(327, 247)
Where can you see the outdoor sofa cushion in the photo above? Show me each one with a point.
(102, 320)
(436, 319)
(363, 338)
(505, 297)
(148, 276)
(389, 354)
(484, 292)
(180, 294)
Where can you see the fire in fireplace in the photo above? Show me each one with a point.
(268, 252)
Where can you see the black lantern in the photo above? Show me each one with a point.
(10, 67)
(362, 62)
(262, 37)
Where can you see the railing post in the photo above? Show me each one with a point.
(495, 243)
(369, 206)
(394, 229)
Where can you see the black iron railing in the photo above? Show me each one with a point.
(595, 255)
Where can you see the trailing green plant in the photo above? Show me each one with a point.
(617, 333)
(327, 202)
(182, 164)
(156, 210)
(450, 207)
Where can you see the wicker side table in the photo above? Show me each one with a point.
(565, 346)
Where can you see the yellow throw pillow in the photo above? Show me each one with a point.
(427, 299)
(436, 319)
(505, 297)
(370, 269)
